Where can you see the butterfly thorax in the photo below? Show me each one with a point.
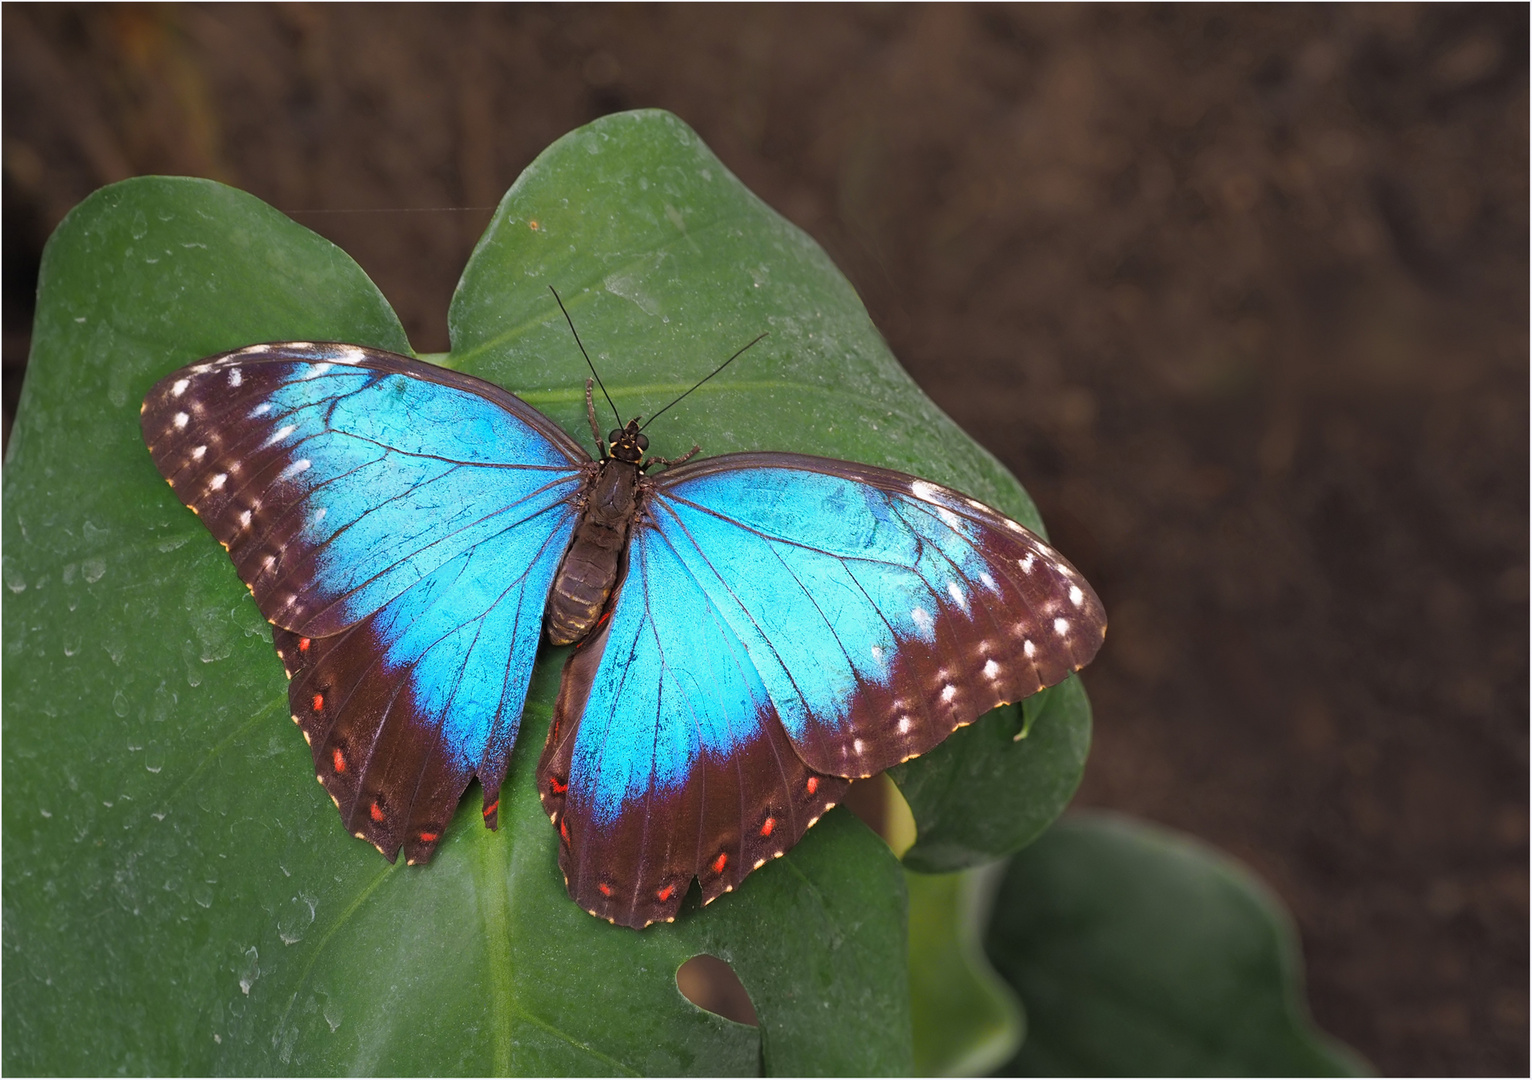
(590, 569)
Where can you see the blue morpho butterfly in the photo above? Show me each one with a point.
(754, 630)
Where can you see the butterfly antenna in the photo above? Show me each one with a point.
(704, 379)
(585, 354)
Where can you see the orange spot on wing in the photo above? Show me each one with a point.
(768, 825)
(720, 862)
(813, 784)
(664, 894)
(491, 808)
(606, 890)
(429, 837)
(340, 760)
(318, 702)
(375, 812)
(303, 644)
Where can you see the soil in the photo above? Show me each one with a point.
(1239, 293)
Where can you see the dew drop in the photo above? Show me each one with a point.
(296, 917)
(251, 970)
(154, 757)
(120, 703)
(333, 1014)
(93, 569)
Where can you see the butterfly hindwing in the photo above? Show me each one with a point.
(666, 761)
(400, 525)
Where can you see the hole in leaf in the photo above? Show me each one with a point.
(710, 983)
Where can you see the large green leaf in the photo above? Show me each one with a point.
(1140, 952)
(179, 896)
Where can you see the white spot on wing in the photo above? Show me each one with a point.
(301, 465)
(989, 582)
(197, 452)
(218, 481)
(318, 370)
(350, 354)
(1015, 526)
(181, 419)
(1026, 564)
(260, 410)
(1029, 648)
(957, 595)
(244, 519)
(922, 619)
(857, 745)
(180, 387)
(922, 490)
(877, 653)
(1076, 596)
(319, 515)
(283, 432)
(991, 669)
(904, 724)
(1061, 627)
(949, 692)
(235, 377)
(952, 520)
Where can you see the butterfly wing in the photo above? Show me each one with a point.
(665, 760)
(788, 621)
(400, 525)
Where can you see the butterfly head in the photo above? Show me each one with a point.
(628, 444)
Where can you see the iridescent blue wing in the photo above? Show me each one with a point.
(400, 525)
(665, 761)
(835, 619)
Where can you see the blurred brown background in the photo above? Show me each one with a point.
(1239, 293)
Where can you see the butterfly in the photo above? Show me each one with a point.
(753, 630)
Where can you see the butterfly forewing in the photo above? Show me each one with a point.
(400, 525)
(881, 611)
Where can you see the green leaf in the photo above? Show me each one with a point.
(1140, 952)
(967, 1019)
(178, 896)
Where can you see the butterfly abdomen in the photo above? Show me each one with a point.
(589, 572)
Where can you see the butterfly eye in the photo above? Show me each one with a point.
(614, 435)
(643, 442)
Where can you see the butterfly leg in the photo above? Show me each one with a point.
(590, 413)
(678, 461)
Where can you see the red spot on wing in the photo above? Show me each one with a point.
(429, 837)
(720, 862)
(556, 787)
(813, 784)
(768, 825)
(318, 702)
(664, 894)
(491, 808)
(564, 830)
(606, 890)
(375, 811)
(339, 759)
(303, 644)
